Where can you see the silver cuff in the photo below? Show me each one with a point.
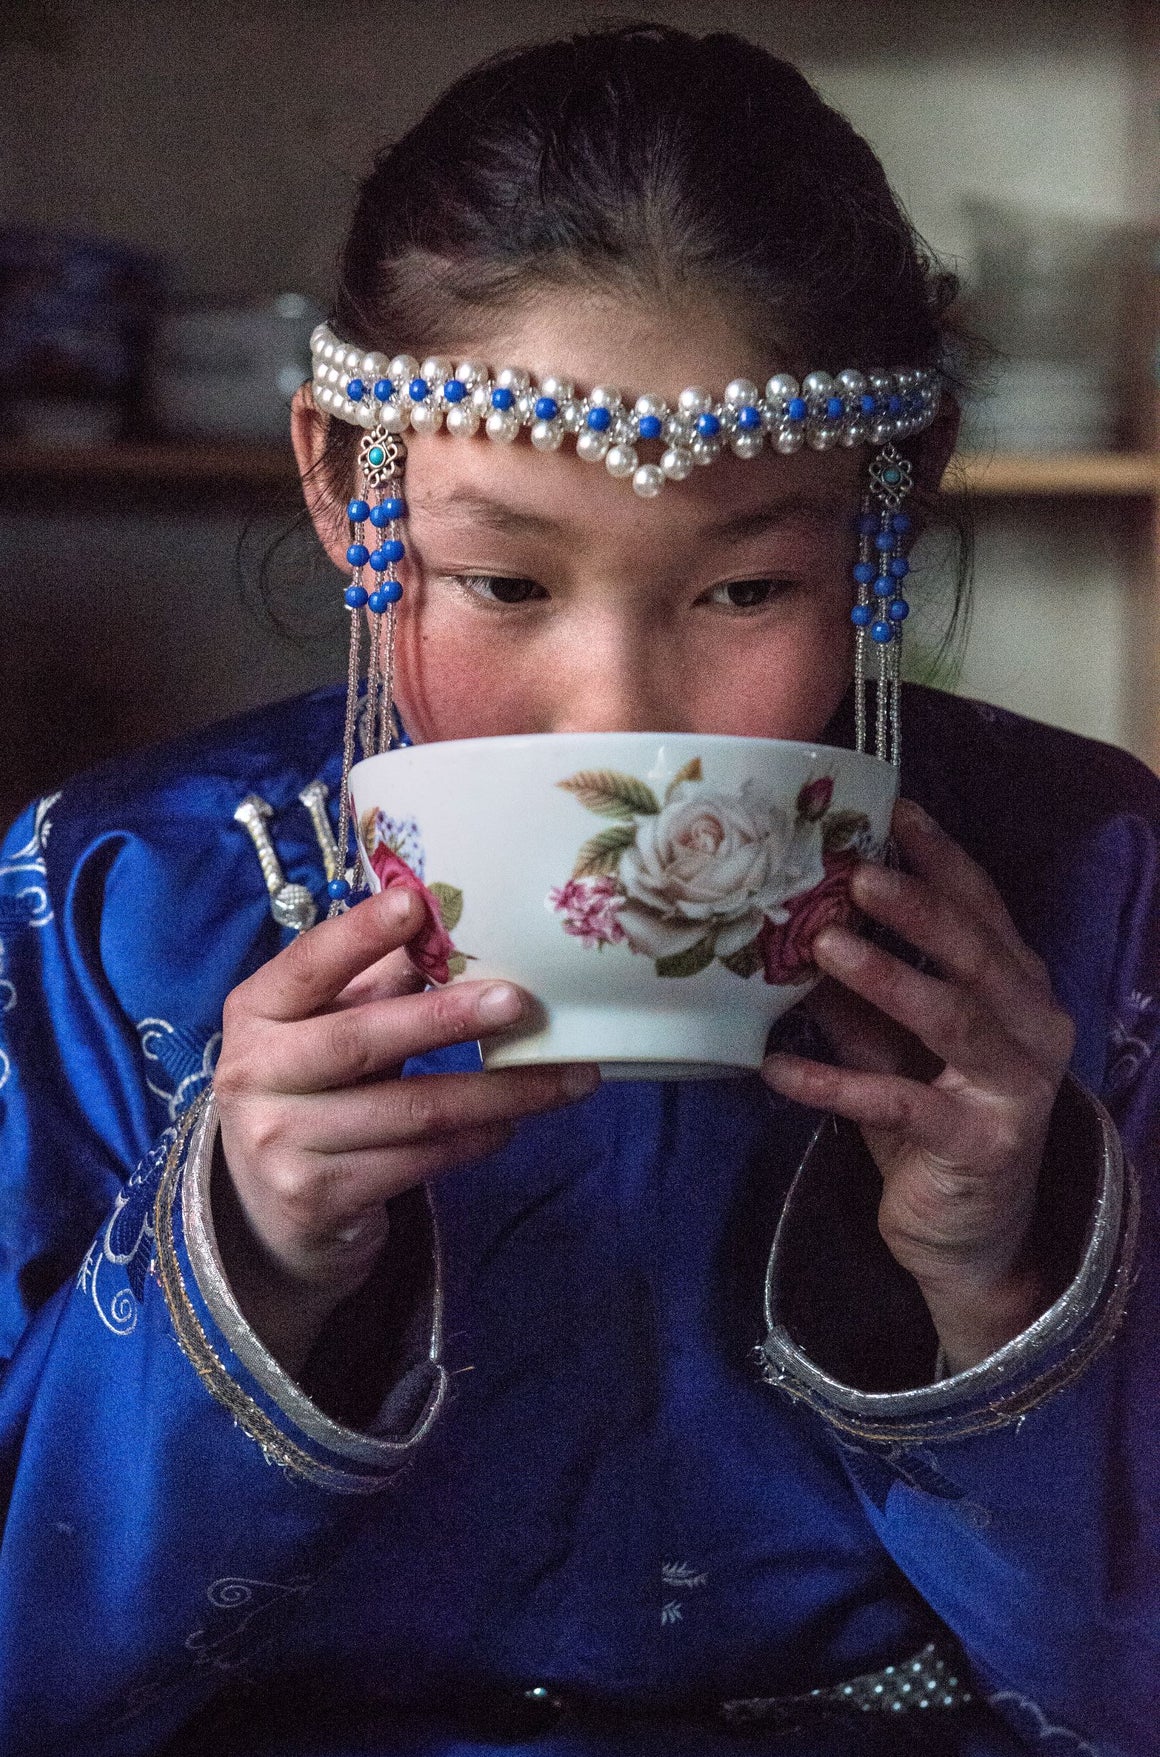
(1040, 1361)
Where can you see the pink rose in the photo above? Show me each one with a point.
(813, 802)
(786, 947)
(431, 947)
(589, 909)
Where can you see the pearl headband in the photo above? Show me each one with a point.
(850, 408)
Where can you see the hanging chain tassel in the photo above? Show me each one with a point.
(880, 611)
(381, 459)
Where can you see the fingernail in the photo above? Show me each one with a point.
(578, 1080)
(917, 818)
(394, 904)
(838, 946)
(875, 881)
(499, 1004)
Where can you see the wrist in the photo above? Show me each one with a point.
(976, 1315)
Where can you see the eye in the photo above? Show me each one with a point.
(498, 589)
(750, 594)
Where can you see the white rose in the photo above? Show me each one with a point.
(714, 862)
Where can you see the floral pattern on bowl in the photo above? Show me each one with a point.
(709, 875)
(394, 851)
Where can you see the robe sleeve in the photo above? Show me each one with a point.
(168, 1494)
(1021, 1497)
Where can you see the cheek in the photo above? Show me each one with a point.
(452, 681)
(786, 683)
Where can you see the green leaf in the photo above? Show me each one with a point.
(610, 794)
(600, 855)
(690, 963)
(691, 772)
(745, 963)
(450, 903)
(456, 964)
(840, 828)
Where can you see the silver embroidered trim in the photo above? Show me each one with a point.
(791, 1368)
(209, 1272)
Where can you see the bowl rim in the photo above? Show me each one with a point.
(521, 740)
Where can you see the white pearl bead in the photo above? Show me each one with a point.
(426, 417)
(331, 375)
(547, 435)
(790, 439)
(343, 381)
(572, 415)
(471, 372)
(879, 380)
(366, 414)
(393, 417)
(853, 383)
(603, 396)
(462, 420)
(817, 384)
(502, 426)
(782, 387)
(746, 443)
(678, 431)
(621, 460)
(403, 368)
(372, 366)
(677, 463)
(559, 389)
(322, 396)
(480, 399)
(651, 405)
(512, 378)
(881, 432)
(592, 447)
(695, 400)
(705, 451)
(740, 393)
(436, 369)
(824, 438)
(853, 434)
(648, 481)
(326, 352)
(319, 336)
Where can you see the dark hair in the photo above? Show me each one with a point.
(651, 163)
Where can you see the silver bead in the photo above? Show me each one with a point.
(603, 396)
(817, 385)
(547, 435)
(591, 446)
(790, 439)
(525, 406)
(741, 393)
(677, 463)
(512, 378)
(503, 425)
(880, 381)
(747, 442)
(648, 481)
(695, 400)
(651, 405)
(480, 399)
(572, 415)
(621, 460)
(426, 417)
(462, 420)
(559, 389)
(705, 451)
(853, 383)
(782, 387)
(678, 431)
(403, 368)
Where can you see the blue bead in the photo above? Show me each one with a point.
(454, 390)
(796, 409)
(882, 632)
(860, 615)
(392, 591)
(338, 889)
(545, 408)
(900, 523)
(384, 390)
(502, 397)
(867, 524)
(378, 600)
(884, 541)
(380, 516)
(748, 418)
(864, 572)
(417, 389)
(599, 419)
(357, 511)
(404, 741)
(358, 554)
(868, 405)
(378, 561)
(899, 610)
(651, 426)
(393, 549)
(894, 406)
(355, 597)
(356, 390)
(708, 425)
(900, 567)
(835, 408)
(394, 507)
(883, 587)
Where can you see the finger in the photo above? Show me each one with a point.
(390, 975)
(862, 1037)
(952, 1023)
(346, 1045)
(362, 1178)
(391, 1114)
(314, 969)
(969, 953)
(907, 1108)
(938, 858)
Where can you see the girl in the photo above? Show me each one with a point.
(399, 1406)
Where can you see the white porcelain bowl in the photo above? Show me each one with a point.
(658, 893)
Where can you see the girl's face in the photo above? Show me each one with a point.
(543, 595)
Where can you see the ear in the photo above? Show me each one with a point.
(308, 434)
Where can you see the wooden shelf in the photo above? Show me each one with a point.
(1056, 473)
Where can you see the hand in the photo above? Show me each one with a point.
(958, 1069)
(319, 1131)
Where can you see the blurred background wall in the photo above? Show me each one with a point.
(224, 140)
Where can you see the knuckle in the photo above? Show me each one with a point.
(345, 1043)
(418, 1108)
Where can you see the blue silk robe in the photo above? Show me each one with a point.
(586, 1433)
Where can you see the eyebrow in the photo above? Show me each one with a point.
(497, 515)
